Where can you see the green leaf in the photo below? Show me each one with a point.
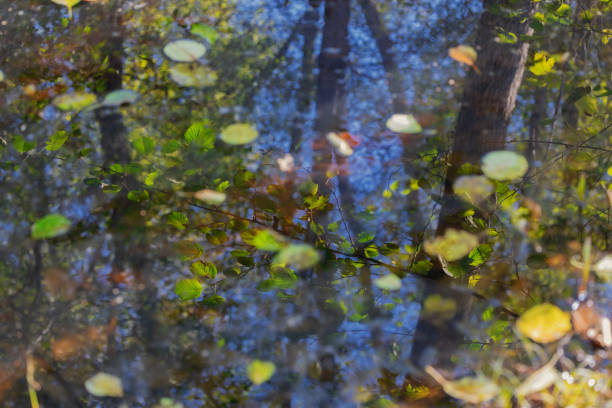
(57, 140)
(50, 226)
(365, 236)
(473, 189)
(171, 147)
(389, 282)
(144, 145)
(587, 105)
(504, 165)
(297, 256)
(371, 251)
(260, 371)
(188, 250)
(239, 134)
(178, 220)
(213, 301)
(268, 240)
(480, 254)
(192, 76)
(543, 66)
(22, 145)
(184, 50)
(74, 101)
(150, 179)
(120, 97)
(138, 195)
(187, 289)
(104, 385)
(402, 123)
(453, 245)
(204, 269)
(200, 135)
(205, 31)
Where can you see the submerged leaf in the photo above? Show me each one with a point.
(453, 245)
(260, 371)
(539, 380)
(474, 390)
(205, 31)
(340, 145)
(402, 123)
(544, 323)
(298, 256)
(193, 76)
(50, 226)
(504, 165)
(473, 189)
(104, 385)
(188, 289)
(184, 50)
(239, 134)
(74, 101)
(210, 197)
(389, 282)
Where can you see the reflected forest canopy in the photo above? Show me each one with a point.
(311, 203)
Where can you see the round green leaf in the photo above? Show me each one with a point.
(544, 323)
(239, 134)
(504, 165)
(74, 101)
(300, 256)
(184, 50)
(402, 123)
(389, 282)
(260, 371)
(193, 76)
(50, 226)
(188, 289)
(104, 385)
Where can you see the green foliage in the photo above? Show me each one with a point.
(50, 226)
(188, 289)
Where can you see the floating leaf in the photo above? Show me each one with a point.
(474, 390)
(341, 145)
(104, 385)
(184, 50)
(205, 31)
(188, 289)
(402, 123)
(239, 134)
(453, 245)
(50, 226)
(465, 55)
(298, 256)
(260, 371)
(210, 197)
(473, 189)
(120, 97)
(193, 76)
(544, 323)
(504, 165)
(74, 101)
(389, 282)
(603, 268)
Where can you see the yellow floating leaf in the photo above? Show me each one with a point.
(104, 385)
(465, 55)
(67, 3)
(453, 245)
(260, 371)
(544, 323)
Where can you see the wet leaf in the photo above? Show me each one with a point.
(50, 226)
(260, 371)
(120, 97)
(453, 245)
(239, 134)
(104, 385)
(192, 76)
(403, 123)
(474, 390)
(504, 165)
(205, 31)
(210, 197)
(188, 289)
(544, 323)
(74, 101)
(340, 145)
(473, 189)
(389, 282)
(298, 256)
(184, 50)
(465, 55)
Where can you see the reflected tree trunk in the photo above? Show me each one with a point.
(486, 108)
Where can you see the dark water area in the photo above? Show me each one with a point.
(309, 203)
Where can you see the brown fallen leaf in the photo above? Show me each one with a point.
(465, 55)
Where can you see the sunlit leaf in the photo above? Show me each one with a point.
(474, 390)
(205, 31)
(144, 145)
(178, 220)
(298, 256)
(465, 55)
(210, 197)
(184, 50)
(239, 134)
(542, 66)
(403, 123)
(453, 245)
(389, 282)
(67, 3)
(50, 226)
(268, 240)
(587, 105)
(57, 140)
(340, 145)
(260, 371)
(204, 269)
(192, 76)
(22, 145)
(120, 97)
(104, 385)
(187, 289)
(74, 101)
(544, 323)
(473, 189)
(138, 195)
(504, 165)
(200, 135)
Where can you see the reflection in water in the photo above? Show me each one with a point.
(185, 302)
